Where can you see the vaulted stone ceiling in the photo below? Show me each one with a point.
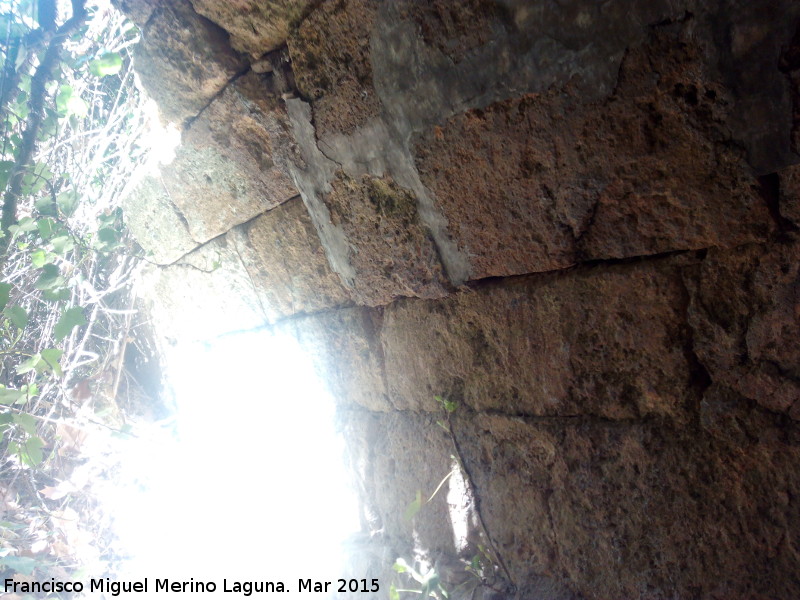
(577, 220)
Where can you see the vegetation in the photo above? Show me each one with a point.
(72, 127)
(485, 568)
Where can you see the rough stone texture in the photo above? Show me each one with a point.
(138, 11)
(560, 346)
(790, 65)
(789, 189)
(228, 168)
(205, 294)
(390, 250)
(331, 63)
(282, 253)
(155, 222)
(643, 510)
(745, 313)
(346, 349)
(255, 26)
(543, 182)
(184, 60)
(627, 420)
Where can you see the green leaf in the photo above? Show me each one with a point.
(67, 202)
(393, 595)
(69, 103)
(29, 365)
(72, 317)
(30, 452)
(27, 422)
(5, 291)
(64, 94)
(46, 206)
(45, 228)
(78, 107)
(414, 507)
(50, 279)
(39, 258)
(35, 179)
(56, 295)
(17, 315)
(62, 244)
(21, 564)
(27, 224)
(6, 166)
(109, 63)
(448, 405)
(52, 356)
(10, 395)
(107, 239)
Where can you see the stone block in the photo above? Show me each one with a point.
(228, 168)
(282, 252)
(745, 317)
(605, 341)
(184, 60)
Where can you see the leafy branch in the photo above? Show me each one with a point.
(44, 73)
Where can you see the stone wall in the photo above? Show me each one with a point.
(576, 220)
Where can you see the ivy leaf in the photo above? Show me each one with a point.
(67, 202)
(107, 239)
(62, 244)
(56, 295)
(50, 279)
(52, 356)
(414, 507)
(26, 421)
(27, 224)
(10, 395)
(45, 228)
(45, 206)
(109, 63)
(5, 290)
(69, 103)
(17, 315)
(39, 258)
(30, 451)
(71, 318)
(26, 366)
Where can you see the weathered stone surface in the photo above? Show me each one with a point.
(229, 167)
(255, 26)
(207, 293)
(643, 510)
(543, 182)
(331, 61)
(345, 348)
(607, 342)
(745, 316)
(184, 60)
(390, 249)
(138, 11)
(282, 253)
(751, 44)
(630, 424)
(155, 222)
(379, 463)
(789, 200)
(458, 29)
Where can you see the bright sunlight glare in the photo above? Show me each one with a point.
(252, 486)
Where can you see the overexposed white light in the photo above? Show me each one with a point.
(252, 486)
